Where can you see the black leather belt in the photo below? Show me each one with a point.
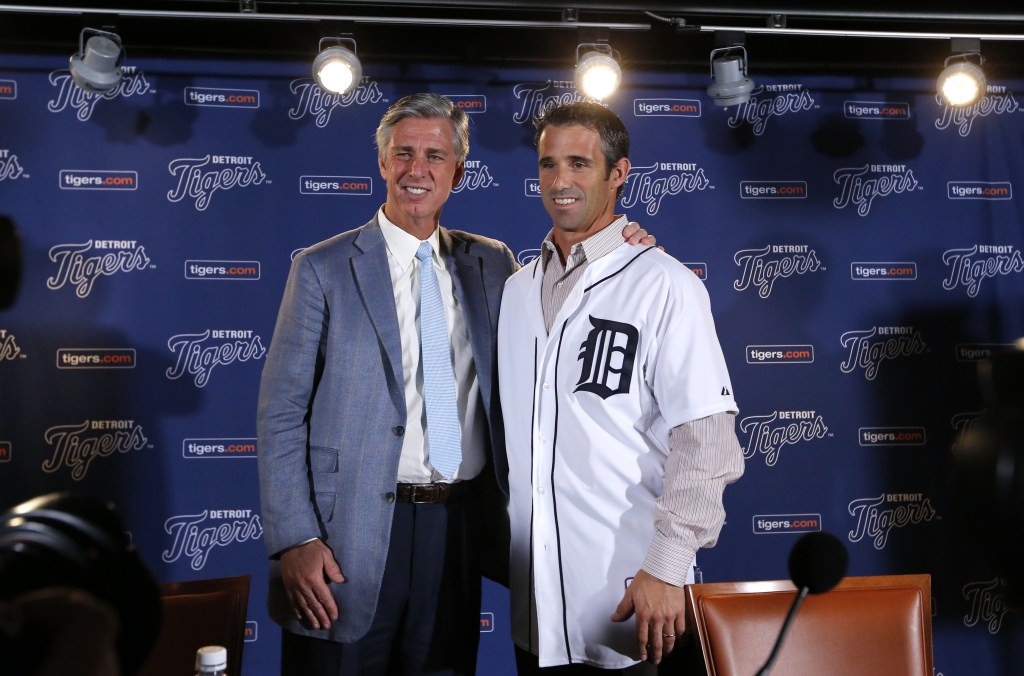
(429, 493)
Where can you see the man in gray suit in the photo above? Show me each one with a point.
(375, 552)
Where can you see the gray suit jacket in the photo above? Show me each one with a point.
(332, 407)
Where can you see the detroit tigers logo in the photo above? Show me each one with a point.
(607, 354)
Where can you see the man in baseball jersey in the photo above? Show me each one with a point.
(620, 435)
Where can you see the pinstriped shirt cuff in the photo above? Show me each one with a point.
(669, 561)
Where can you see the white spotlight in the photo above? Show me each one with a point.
(962, 82)
(337, 69)
(96, 68)
(729, 82)
(597, 72)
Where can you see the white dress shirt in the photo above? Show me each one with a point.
(414, 465)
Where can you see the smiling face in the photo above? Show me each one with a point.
(576, 185)
(420, 168)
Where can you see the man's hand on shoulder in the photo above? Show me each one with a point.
(305, 571)
(634, 234)
(660, 614)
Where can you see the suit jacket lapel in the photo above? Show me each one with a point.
(373, 278)
(468, 280)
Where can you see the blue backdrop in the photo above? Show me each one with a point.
(861, 242)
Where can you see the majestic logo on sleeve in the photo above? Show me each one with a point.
(9, 350)
(859, 186)
(539, 97)
(70, 95)
(969, 267)
(607, 354)
(648, 186)
(76, 446)
(196, 535)
(867, 348)
(198, 353)
(10, 168)
(987, 604)
(319, 104)
(200, 177)
(759, 268)
(770, 101)
(476, 176)
(997, 101)
(78, 268)
(768, 434)
(876, 517)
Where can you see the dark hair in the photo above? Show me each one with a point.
(426, 106)
(614, 137)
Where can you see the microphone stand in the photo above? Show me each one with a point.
(801, 595)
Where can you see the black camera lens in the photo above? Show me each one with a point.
(77, 542)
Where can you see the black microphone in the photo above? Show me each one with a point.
(817, 563)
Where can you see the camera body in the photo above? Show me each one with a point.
(78, 542)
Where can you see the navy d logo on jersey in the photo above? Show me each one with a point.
(608, 354)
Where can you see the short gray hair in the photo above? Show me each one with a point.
(426, 106)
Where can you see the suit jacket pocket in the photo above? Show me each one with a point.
(325, 506)
(323, 459)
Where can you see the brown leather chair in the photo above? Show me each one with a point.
(197, 613)
(865, 626)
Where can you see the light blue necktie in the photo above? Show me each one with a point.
(444, 434)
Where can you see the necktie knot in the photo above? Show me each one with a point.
(423, 251)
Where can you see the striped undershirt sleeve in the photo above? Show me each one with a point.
(704, 457)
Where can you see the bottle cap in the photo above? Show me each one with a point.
(212, 657)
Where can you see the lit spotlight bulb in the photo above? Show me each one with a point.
(962, 84)
(336, 77)
(337, 69)
(597, 75)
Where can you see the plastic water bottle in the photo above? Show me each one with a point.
(212, 660)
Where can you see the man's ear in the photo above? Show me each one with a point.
(459, 171)
(620, 171)
(382, 166)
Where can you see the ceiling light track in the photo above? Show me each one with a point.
(824, 32)
(380, 20)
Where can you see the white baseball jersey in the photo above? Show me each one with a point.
(632, 353)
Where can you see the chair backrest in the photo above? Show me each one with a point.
(875, 625)
(197, 613)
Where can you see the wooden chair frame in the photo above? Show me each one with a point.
(198, 613)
